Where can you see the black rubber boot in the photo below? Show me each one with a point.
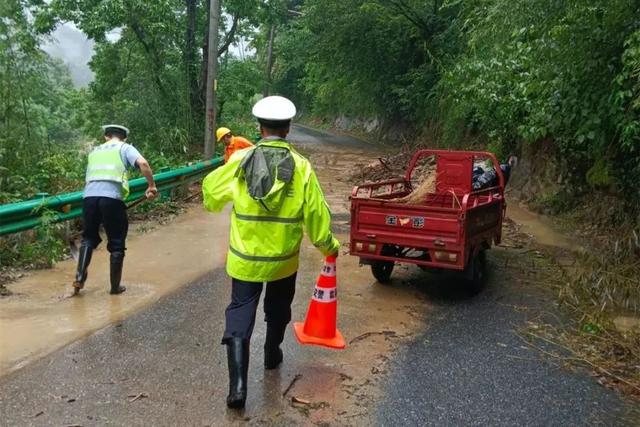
(272, 351)
(117, 261)
(84, 259)
(238, 361)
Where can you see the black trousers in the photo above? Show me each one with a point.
(240, 315)
(112, 214)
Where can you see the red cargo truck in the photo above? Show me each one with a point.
(449, 229)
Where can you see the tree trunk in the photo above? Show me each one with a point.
(152, 55)
(267, 87)
(221, 50)
(212, 82)
(205, 59)
(189, 58)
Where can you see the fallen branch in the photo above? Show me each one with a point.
(300, 400)
(137, 396)
(383, 163)
(293, 381)
(368, 334)
(574, 358)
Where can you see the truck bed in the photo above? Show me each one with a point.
(440, 233)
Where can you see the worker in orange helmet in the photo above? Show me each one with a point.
(231, 143)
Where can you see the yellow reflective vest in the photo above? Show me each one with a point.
(265, 238)
(105, 164)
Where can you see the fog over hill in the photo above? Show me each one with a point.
(73, 47)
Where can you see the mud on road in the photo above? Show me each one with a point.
(45, 386)
(152, 356)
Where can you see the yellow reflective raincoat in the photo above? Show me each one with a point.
(267, 220)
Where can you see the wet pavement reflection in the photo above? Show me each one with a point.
(162, 348)
(152, 355)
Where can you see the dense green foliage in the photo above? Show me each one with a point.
(543, 69)
(149, 66)
(151, 75)
(502, 73)
(38, 113)
(367, 57)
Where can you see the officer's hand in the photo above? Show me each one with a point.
(151, 193)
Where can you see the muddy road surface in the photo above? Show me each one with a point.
(420, 351)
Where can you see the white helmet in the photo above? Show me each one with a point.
(274, 108)
(118, 128)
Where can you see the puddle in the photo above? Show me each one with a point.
(41, 317)
(541, 228)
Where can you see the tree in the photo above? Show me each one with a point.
(156, 55)
(38, 121)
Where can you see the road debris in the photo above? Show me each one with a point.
(368, 334)
(295, 399)
(293, 381)
(134, 397)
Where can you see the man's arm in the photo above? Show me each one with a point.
(317, 219)
(216, 187)
(142, 164)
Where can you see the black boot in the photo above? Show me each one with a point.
(117, 260)
(272, 351)
(84, 258)
(238, 360)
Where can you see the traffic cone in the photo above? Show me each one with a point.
(319, 328)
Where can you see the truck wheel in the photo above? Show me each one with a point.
(382, 270)
(476, 273)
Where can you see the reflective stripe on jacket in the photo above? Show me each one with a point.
(265, 242)
(105, 164)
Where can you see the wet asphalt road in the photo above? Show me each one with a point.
(164, 365)
(471, 367)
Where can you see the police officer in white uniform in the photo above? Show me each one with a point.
(105, 190)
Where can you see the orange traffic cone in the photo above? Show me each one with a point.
(319, 327)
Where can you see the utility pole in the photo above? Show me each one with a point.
(212, 80)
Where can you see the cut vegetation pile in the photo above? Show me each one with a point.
(423, 178)
(382, 169)
(601, 291)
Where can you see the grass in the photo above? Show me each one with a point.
(603, 283)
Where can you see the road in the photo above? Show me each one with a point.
(421, 351)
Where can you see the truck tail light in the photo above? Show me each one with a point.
(359, 246)
(446, 256)
(372, 247)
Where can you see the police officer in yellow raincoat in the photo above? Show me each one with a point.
(275, 194)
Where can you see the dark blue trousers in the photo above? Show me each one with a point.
(112, 214)
(240, 316)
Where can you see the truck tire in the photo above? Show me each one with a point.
(476, 273)
(382, 270)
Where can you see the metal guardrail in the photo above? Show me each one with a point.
(20, 216)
